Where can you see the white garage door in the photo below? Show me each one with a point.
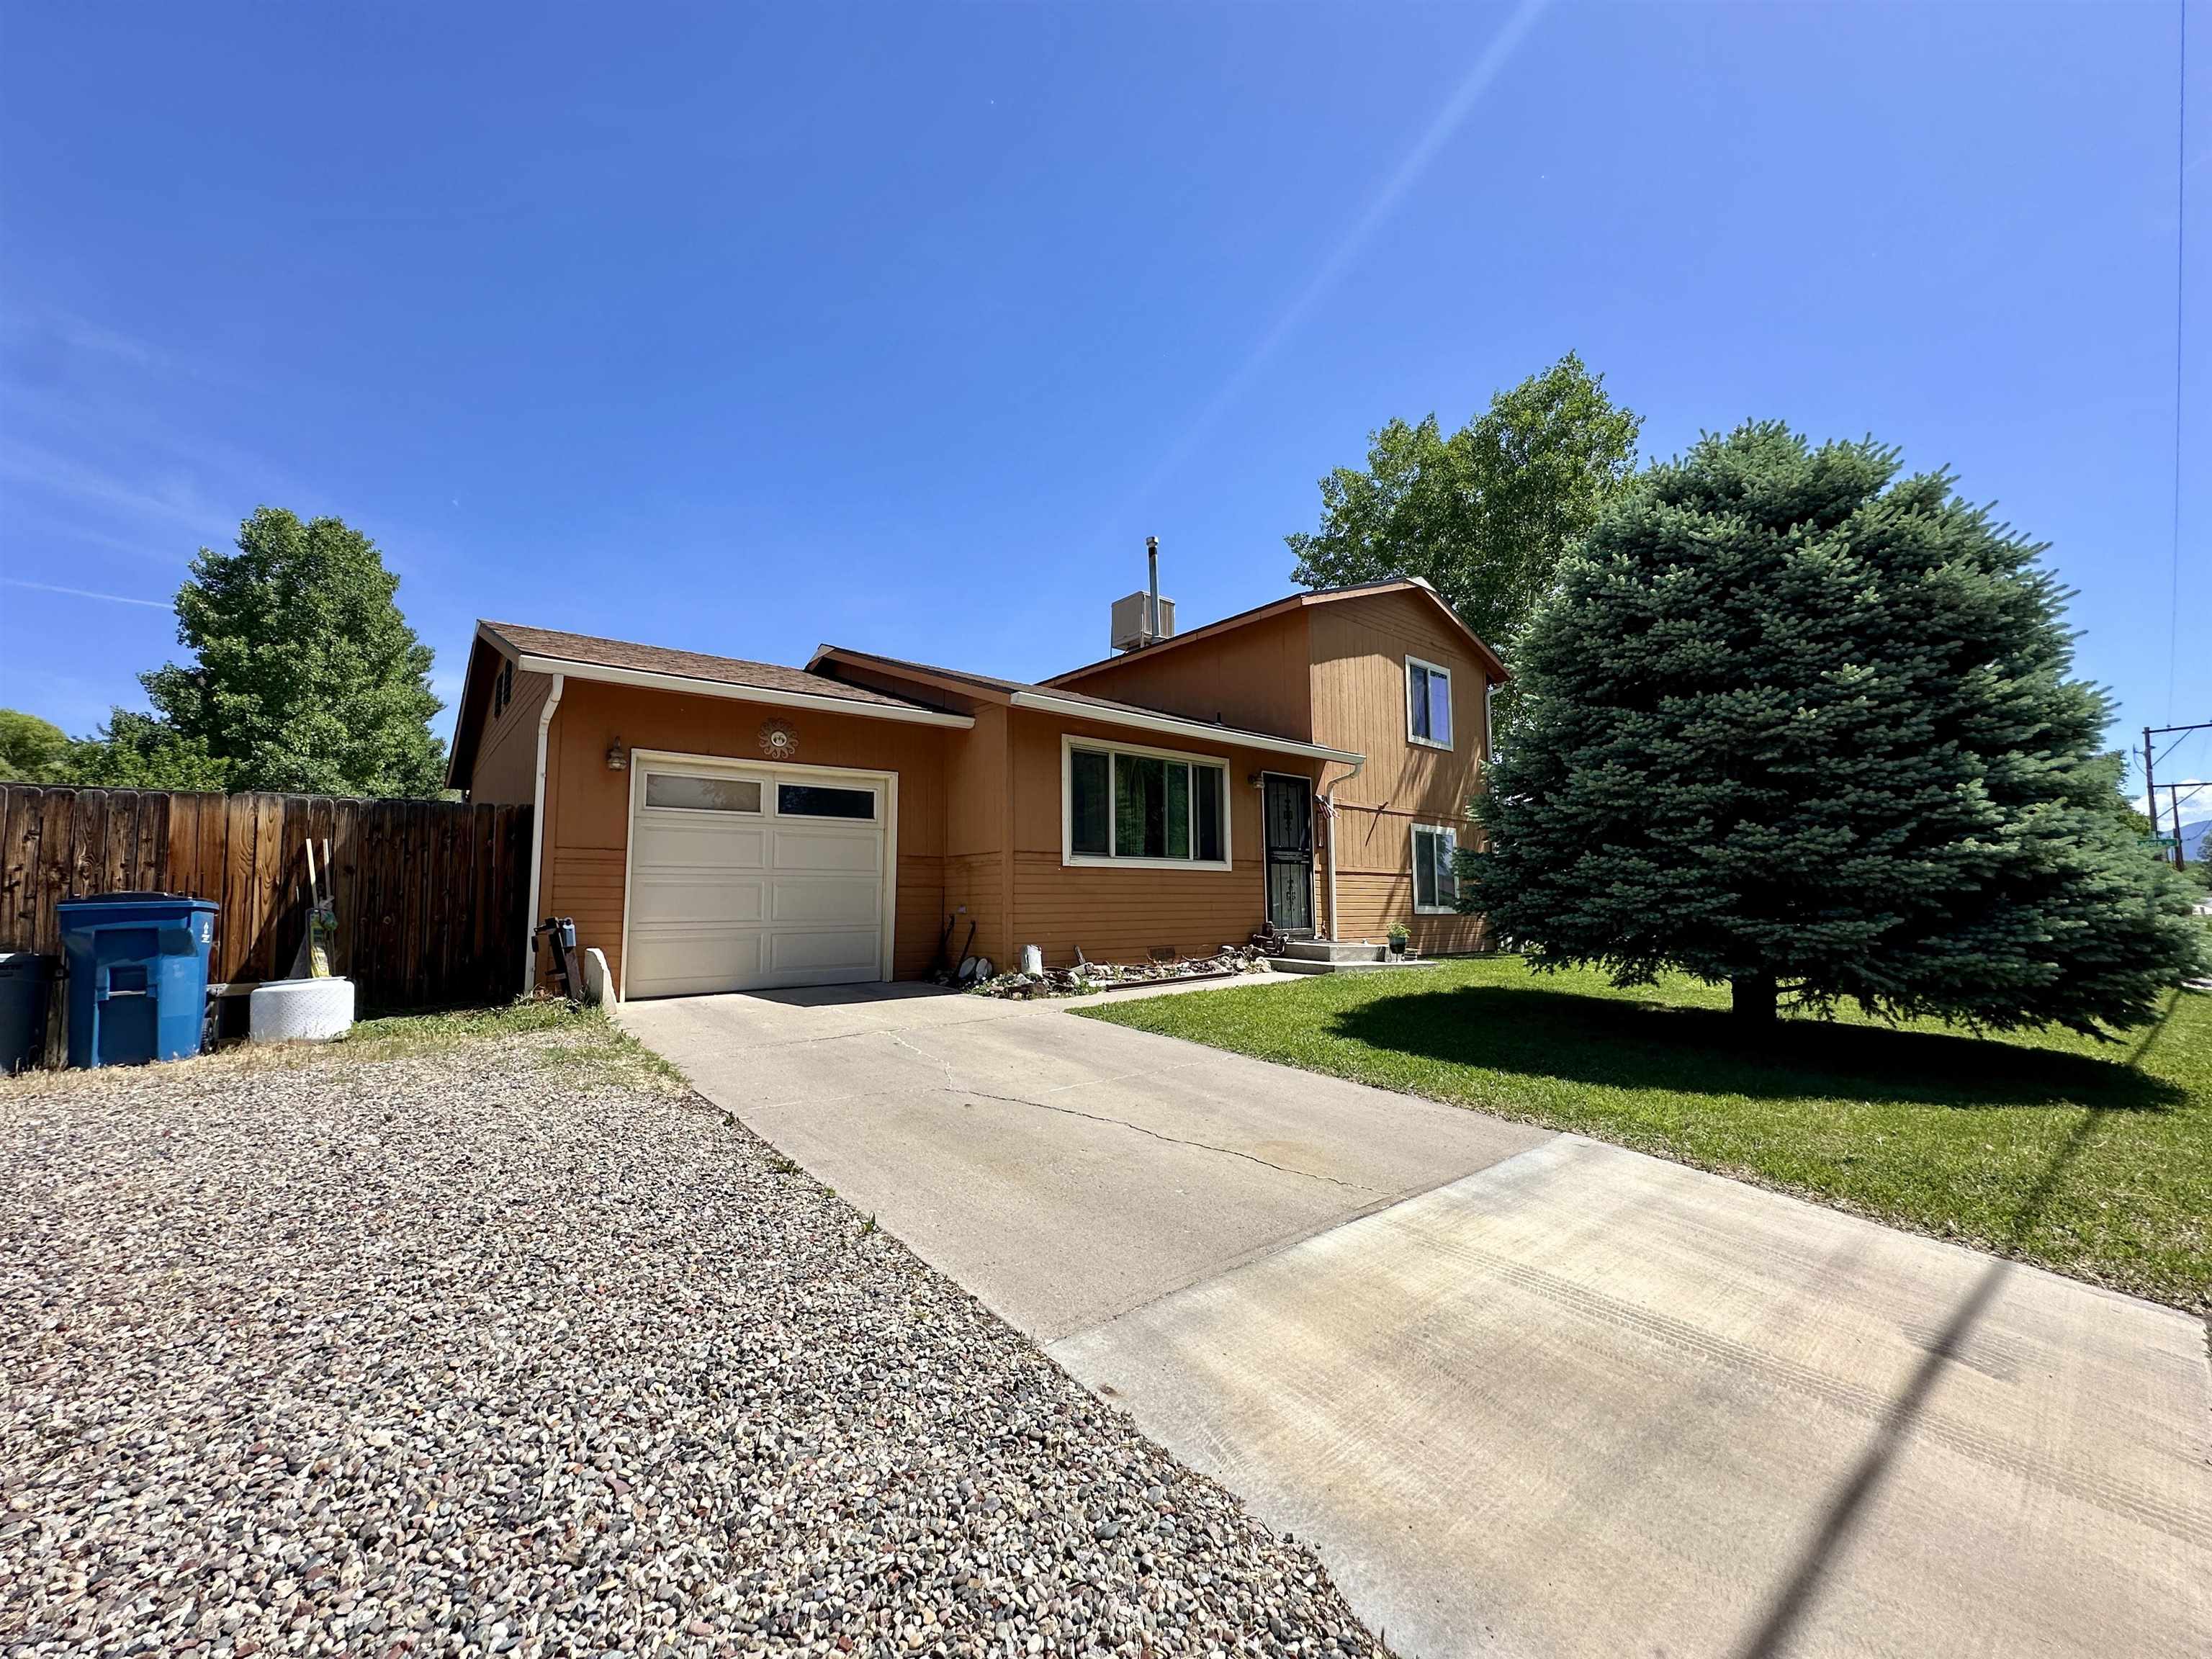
(742, 879)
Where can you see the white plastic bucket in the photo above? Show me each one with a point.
(300, 1011)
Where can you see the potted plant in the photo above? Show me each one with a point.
(1400, 936)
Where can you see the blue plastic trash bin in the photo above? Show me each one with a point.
(137, 975)
(24, 979)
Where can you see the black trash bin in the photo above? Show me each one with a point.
(25, 982)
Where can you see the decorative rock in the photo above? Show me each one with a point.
(469, 1349)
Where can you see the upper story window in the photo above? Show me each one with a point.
(1143, 806)
(502, 688)
(1428, 704)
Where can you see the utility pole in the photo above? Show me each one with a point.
(2150, 781)
(2150, 785)
(2174, 799)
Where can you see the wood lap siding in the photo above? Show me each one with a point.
(1255, 677)
(1371, 901)
(1360, 652)
(975, 891)
(1118, 915)
(429, 894)
(588, 887)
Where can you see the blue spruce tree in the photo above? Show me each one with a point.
(1796, 725)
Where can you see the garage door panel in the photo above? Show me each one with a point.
(833, 901)
(825, 954)
(701, 846)
(666, 896)
(839, 850)
(681, 960)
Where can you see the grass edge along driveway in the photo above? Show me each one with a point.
(2090, 1158)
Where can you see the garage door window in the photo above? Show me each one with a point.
(817, 800)
(684, 792)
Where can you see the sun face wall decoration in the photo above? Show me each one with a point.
(777, 740)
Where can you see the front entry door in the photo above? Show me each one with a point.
(1288, 809)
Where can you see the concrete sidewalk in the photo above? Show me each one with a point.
(1526, 1393)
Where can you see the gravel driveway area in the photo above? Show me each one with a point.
(506, 1347)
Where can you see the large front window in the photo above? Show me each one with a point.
(1143, 805)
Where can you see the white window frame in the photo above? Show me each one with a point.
(1069, 857)
(1450, 713)
(1413, 866)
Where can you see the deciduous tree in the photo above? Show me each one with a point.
(31, 750)
(1483, 515)
(304, 676)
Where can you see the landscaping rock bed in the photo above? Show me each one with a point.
(1087, 977)
(482, 1352)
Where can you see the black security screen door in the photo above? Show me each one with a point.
(1288, 811)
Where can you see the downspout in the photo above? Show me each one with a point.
(1328, 802)
(537, 839)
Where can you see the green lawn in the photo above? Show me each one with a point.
(2091, 1158)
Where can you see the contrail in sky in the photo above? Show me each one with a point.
(1456, 111)
(84, 593)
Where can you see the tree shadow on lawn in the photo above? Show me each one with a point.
(1643, 1045)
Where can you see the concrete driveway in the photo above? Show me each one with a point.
(1527, 1393)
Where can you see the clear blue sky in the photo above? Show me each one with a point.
(902, 326)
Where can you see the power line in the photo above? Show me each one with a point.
(2181, 270)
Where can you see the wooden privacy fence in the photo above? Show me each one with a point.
(430, 897)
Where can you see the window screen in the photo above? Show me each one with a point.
(1090, 804)
(1207, 781)
(1428, 702)
(697, 795)
(821, 800)
(1435, 885)
(1141, 807)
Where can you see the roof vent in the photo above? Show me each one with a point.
(1144, 618)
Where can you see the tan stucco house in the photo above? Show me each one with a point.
(717, 824)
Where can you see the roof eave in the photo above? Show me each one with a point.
(1493, 667)
(1176, 725)
(453, 780)
(731, 690)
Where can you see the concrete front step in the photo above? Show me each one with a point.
(1332, 949)
(1313, 965)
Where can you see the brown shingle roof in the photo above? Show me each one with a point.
(689, 664)
(1496, 669)
(1106, 705)
(990, 681)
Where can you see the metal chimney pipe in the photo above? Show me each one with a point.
(1152, 589)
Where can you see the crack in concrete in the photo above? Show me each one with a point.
(1172, 1140)
(953, 1085)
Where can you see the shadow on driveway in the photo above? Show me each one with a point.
(1845, 1505)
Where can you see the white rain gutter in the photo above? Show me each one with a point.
(537, 838)
(1358, 766)
(1173, 726)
